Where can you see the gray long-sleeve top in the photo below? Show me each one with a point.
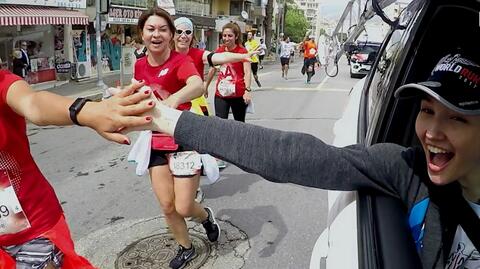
(302, 159)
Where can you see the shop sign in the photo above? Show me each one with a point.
(120, 15)
(48, 3)
(63, 67)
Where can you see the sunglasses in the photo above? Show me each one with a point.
(180, 32)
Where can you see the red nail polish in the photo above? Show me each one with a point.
(126, 142)
(147, 91)
(148, 118)
(150, 103)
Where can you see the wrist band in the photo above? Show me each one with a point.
(75, 109)
(209, 59)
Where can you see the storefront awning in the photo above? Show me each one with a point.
(31, 15)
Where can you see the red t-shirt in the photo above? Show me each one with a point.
(231, 75)
(170, 76)
(197, 57)
(35, 194)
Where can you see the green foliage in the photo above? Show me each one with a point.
(296, 24)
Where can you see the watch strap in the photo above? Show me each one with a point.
(75, 108)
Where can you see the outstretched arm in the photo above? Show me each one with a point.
(105, 117)
(228, 57)
(292, 157)
(210, 75)
(192, 90)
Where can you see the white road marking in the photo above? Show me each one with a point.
(323, 82)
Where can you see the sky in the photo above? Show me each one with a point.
(333, 8)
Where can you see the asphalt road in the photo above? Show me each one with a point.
(98, 187)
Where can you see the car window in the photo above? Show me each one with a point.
(379, 82)
(367, 49)
(388, 65)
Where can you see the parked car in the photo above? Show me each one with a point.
(370, 230)
(362, 58)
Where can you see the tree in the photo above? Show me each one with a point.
(267, 22)
(296, 24)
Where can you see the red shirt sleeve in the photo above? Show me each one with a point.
(6, 80)
(139, 68)
(186, 70)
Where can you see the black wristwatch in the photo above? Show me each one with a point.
(248, 89)
(76, 107)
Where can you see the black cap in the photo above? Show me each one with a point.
(455, 82)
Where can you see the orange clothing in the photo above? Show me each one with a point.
(309, 49)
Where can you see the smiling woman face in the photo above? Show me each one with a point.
(156, 34)
(183, 37)
(451, 142)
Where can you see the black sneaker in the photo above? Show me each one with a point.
(183, 256)
(257, 81)
(211, 226)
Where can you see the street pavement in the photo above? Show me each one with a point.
(114, 216)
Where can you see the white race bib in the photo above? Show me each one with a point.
(226, 87)
(12, 217)
(185, 163)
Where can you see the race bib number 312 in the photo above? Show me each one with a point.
(12, 217)
(185, 163)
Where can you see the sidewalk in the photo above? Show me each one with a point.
(85, 87)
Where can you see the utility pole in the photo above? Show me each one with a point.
(100, 84)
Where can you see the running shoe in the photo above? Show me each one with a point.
(221, 164)
(183, 257)
(258, 82)
(211, 226)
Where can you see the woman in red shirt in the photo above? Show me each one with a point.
(184, 41)
(33, 230)
(174, 171)
(232, 89)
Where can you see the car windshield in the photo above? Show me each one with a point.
(366, 49)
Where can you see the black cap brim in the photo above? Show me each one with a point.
(414, 90)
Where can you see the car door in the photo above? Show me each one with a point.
(383, 234)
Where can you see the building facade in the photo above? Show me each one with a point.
(46, 28)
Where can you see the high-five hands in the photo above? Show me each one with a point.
(160, 118)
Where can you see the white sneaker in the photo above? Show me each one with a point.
(221, 164)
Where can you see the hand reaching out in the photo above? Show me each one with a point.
(124, 110)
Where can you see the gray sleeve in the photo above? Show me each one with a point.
(297, 158)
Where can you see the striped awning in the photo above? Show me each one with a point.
(32, 15)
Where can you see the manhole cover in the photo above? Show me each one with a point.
(156, 252)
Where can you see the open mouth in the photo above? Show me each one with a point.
(438, 158)
(156, 42)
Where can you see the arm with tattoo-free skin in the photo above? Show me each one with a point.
(106, 117)
(208, 80)
(192, 90)
(228, 57)
(247, 69)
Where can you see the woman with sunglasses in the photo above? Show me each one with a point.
(184, 42)
(173, 78)
(233, 83)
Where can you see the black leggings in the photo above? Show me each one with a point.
(239, 108)
(254, 68)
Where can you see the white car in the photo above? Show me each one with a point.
(370, 230)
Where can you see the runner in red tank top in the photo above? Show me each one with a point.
(37, 235)
(233, 83)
